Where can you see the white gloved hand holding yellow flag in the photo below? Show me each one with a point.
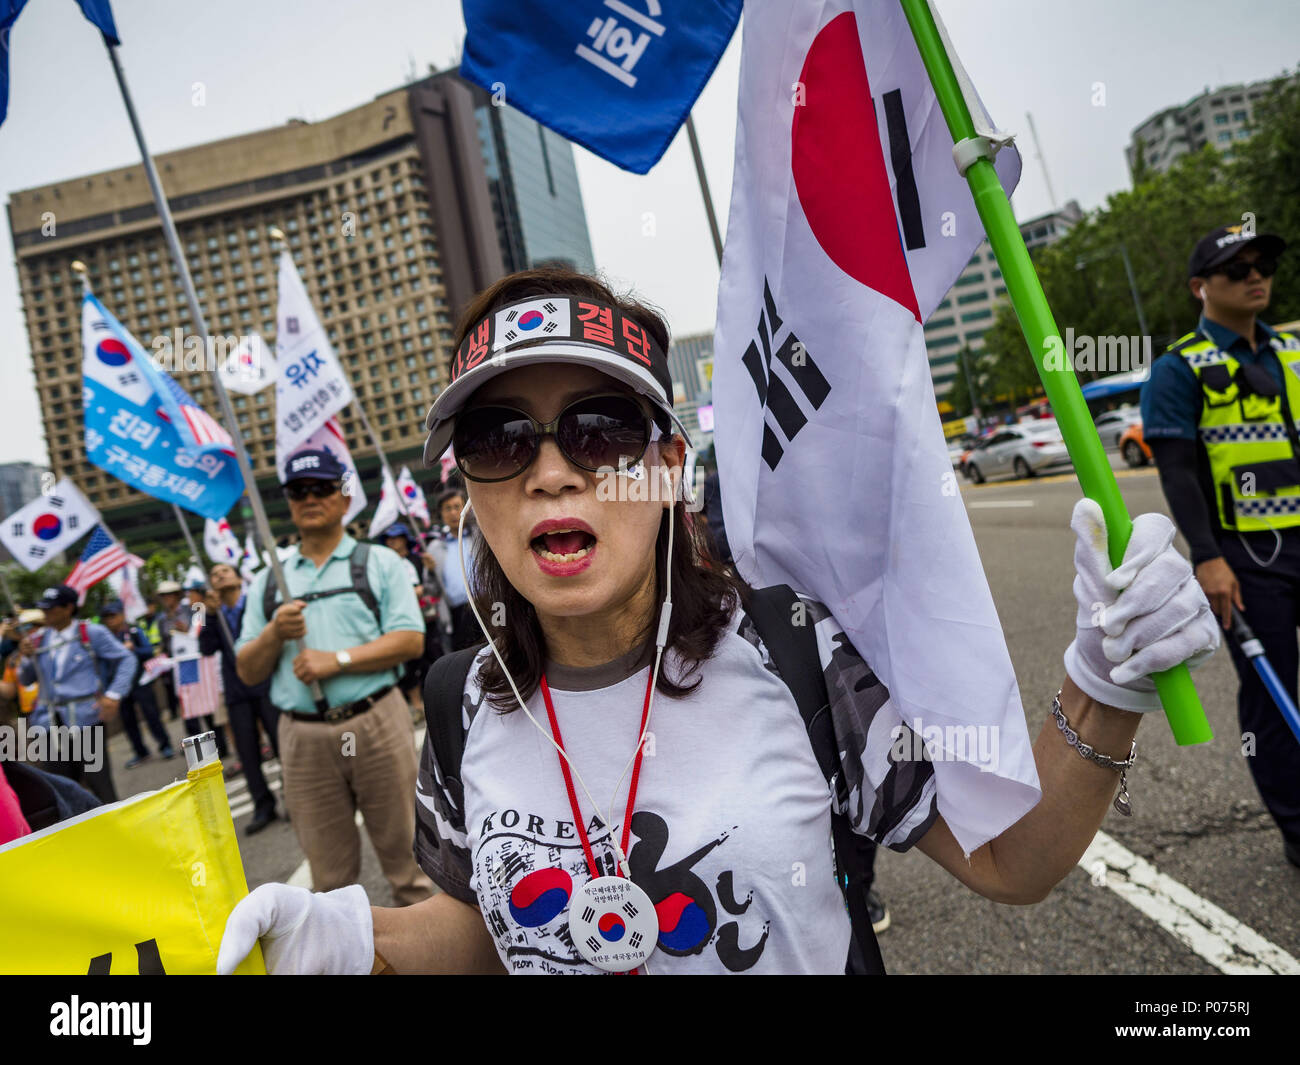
(302, 932)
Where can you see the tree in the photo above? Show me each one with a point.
(958, 394)
(1267, 173)
(1083, 276)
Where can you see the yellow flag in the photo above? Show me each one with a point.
(142, 886)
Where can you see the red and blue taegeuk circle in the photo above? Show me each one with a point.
(611, 927)
(530, 319)
(112, 352)
(683, 924)
(540, 897)
(47, 526)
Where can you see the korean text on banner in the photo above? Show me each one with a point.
(310, 385)
(618, 77)
(144, 429)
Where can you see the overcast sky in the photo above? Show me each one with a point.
(265, 61)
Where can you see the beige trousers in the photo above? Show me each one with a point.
(365, 763)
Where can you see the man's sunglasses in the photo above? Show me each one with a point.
(1239, 269)
(494, 443)
(300, 490)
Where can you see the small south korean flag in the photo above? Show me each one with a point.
(111, 356)
(534, 320)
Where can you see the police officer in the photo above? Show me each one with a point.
(1219, 414)
(84, 671)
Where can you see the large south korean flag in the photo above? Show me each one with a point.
(848, 223)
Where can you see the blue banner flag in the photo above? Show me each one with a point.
(144, 429)
(97, 11)
(617, 76)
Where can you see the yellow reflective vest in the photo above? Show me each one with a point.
(1248, 435)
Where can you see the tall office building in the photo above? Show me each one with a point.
(20, 483)
(966, 312)
(690, 363)
(1222, 118)
(533, 182)
(390, 217)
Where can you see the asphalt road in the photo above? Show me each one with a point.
(1197, 818)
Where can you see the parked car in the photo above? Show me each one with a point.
(1023, 450)
(1111, 424)
(1133, 447)
(958, 448)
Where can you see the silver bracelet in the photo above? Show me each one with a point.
(1092, 755)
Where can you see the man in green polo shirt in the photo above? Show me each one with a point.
(353, 621)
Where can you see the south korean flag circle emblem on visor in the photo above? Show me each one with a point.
(548, 329)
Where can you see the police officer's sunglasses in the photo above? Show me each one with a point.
(495, 443)
(1239, 269)
(300, 490)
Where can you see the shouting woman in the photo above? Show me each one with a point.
(629, 782)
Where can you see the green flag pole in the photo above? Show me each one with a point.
(1097, 479)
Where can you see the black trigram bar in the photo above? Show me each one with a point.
(588, 914)
(900, 155)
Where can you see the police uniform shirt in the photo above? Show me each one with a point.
(1172, 402)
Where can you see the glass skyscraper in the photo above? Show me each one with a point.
(533, 181)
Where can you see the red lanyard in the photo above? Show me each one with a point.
(568, 777)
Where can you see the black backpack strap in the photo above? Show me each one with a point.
(444, 693)
(787, 631)
(360, 584)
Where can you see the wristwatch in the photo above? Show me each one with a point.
(343, 658)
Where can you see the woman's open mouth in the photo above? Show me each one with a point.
(561, 548)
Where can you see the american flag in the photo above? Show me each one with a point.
(198, 684)
(101, 557)
(204, 428)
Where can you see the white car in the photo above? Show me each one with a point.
(1022, 450)
(1111, 425)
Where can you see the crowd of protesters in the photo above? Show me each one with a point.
(63, 667)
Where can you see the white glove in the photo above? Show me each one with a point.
(331, 933)
(1161, 619)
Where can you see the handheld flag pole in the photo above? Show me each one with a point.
(1254, 650)
(704, 185)
(973, 154)
(200, 323)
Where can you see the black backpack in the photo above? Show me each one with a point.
(793, 649)
(360, 586)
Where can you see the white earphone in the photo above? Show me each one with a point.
(661, 639)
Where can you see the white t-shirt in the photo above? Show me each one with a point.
(731, 834)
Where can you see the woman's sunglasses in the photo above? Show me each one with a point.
(1239, 269)
(300, 490)
(596, 432)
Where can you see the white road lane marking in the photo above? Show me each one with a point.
(1217, 936)
(985, 503)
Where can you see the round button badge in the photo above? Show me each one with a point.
(613, 923)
